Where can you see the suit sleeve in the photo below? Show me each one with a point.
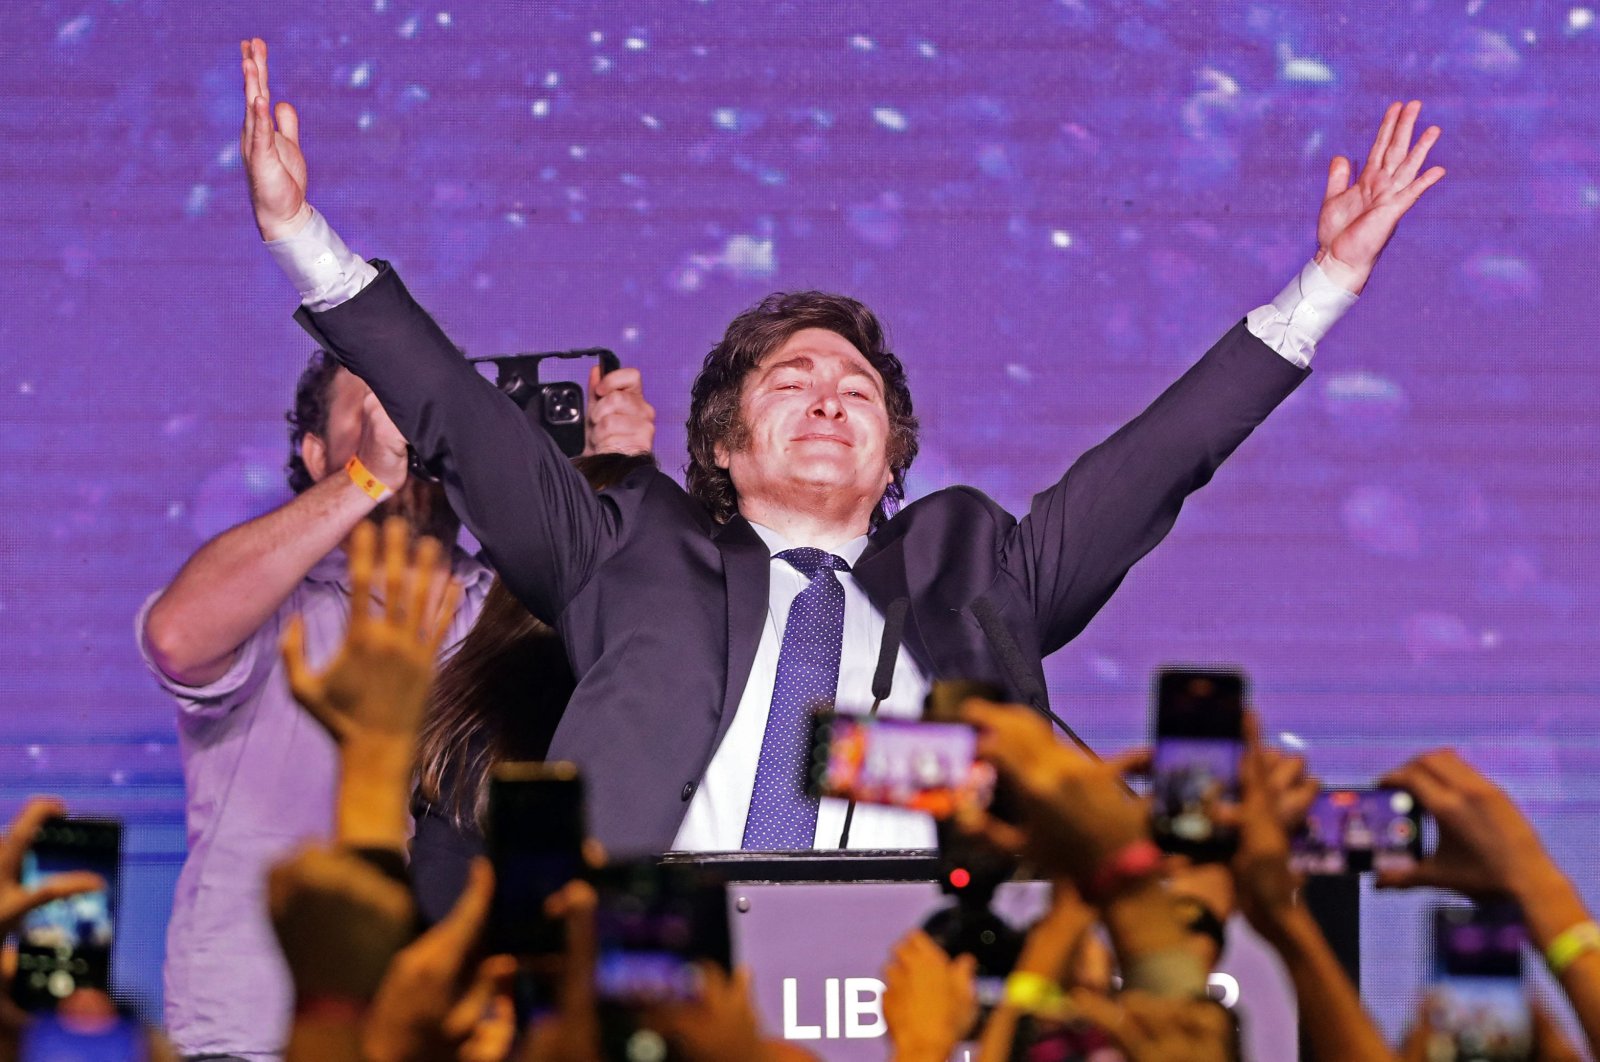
(543, 528)
(1121, 498)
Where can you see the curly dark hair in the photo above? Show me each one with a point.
(714, 400)
(313, 395)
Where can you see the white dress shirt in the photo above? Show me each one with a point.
(327, 273)
(715, 822)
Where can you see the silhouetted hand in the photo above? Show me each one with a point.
(434, 995)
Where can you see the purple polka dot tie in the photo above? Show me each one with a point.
(783, 816)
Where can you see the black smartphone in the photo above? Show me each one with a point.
(65, 945)
(1477, 1006)
(906, 763)
(554, 406)
(1195, 774)
(534, 839)
(654, 924)
(1352, 831)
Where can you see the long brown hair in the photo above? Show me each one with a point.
(500, 696)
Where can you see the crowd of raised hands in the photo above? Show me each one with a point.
(1116, 967)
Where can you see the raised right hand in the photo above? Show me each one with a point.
(271, 151)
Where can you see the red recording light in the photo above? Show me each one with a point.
(960, 878)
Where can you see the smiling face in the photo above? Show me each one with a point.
(814, 430)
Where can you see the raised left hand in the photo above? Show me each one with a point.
(1357, 220)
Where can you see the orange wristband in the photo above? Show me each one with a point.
(374, 487)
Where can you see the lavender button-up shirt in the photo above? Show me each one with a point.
(259, 773)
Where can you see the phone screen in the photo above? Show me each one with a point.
(1477, 1006)
(654, 924)
(65, 945)
(1351, 831)
(907, 763)
(535, 841)
(1195, 774)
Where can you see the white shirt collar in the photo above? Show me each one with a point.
(850, 552)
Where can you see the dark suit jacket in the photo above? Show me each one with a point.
(660, 608)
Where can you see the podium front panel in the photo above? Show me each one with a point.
(816, 952)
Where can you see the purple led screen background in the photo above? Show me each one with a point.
(1055, 206)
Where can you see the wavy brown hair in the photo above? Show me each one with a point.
(714, 401)
(500, 696)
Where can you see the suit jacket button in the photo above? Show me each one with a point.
(688, 790)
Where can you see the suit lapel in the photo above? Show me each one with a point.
(881, 572)
(746, 569)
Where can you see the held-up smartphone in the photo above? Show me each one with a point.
(65, 945)
(535, 841)
(1477, 1006)
(1352, 831)
(1195, 774)
(556, 406)
(906, 763)
(654, 923)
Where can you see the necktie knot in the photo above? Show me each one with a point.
(809, 561)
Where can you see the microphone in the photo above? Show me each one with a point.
(1022, 678)
(894, 627)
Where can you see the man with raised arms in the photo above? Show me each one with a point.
(704, 624)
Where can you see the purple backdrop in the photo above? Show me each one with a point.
(1056, 206)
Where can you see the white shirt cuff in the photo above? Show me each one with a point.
(323, 269)
(1301, 315)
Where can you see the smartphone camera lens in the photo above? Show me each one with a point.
(563, 404)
